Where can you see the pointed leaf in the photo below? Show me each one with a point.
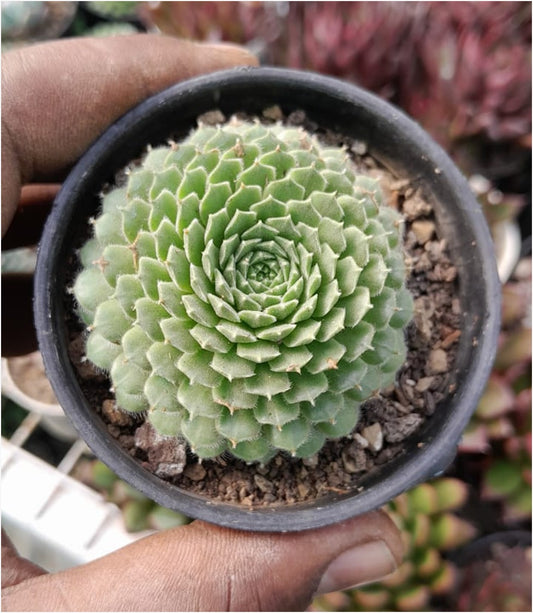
(267, 383)
(135, 344)
(231, 366)
(275, 412)
(163, 358)
(258, 352)
(197, 368)
(291, 436)
(238, 426)
(110, 321)
(306, 387)
(197, 399)
(161, 393)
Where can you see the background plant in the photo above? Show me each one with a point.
(427, 516)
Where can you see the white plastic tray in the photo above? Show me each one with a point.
(52, 519)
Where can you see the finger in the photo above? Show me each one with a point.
(14, 568)
(206, 568)
(58, 97)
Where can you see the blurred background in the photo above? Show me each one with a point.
(463, 71)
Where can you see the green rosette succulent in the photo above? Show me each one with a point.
(246, 289)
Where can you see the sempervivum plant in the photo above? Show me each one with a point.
(246, 289)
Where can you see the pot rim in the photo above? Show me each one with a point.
(429, 459)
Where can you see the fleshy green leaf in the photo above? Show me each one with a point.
(306, 387)
(163, 358)
(161, 393)
(128, 376)
(238, 426)
(197, 368)
(291, 436)
(267, 383)
(91, 288)
(198, 399)
(275, 412)
(231, 366)
(258, 352)
(110, 321)
(203, 436)
(343, 423)
(101, 352)
(150, 316)
(167, 423)
(135, 344)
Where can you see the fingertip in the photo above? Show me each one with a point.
(359, 565)
(392, 536)
(373, 548)
(230, 54)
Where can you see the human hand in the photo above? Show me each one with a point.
(57, 98)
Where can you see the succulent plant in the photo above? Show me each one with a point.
(113, 10)
(497, 442)
(246, 289)
(463, 70)
(114, 28)
(257, 25)
(497, 578)
(430, 528)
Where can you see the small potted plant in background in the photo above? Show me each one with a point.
(244, 293)
(495, 574)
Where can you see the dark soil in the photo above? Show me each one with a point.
(387, 419)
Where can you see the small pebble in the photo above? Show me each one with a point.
(303, 489)
(273, 112)
(114, 414)
(450, 339)
(374, 436)
(416, 207)
(263, 484)
(423, 230)
(424, 384)
(212, 118)
(311, 462)
(195, 472)
(438, 361)
(169, 469)
(361, 440)
(353, 460)
(359, 147)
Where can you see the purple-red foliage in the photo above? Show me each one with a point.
(461, 68)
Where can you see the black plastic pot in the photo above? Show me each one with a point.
(395, 141)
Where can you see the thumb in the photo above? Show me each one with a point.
(201, 567)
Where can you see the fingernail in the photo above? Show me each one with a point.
(238, 54)
(362, 564)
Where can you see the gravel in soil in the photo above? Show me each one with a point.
(387, 419)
